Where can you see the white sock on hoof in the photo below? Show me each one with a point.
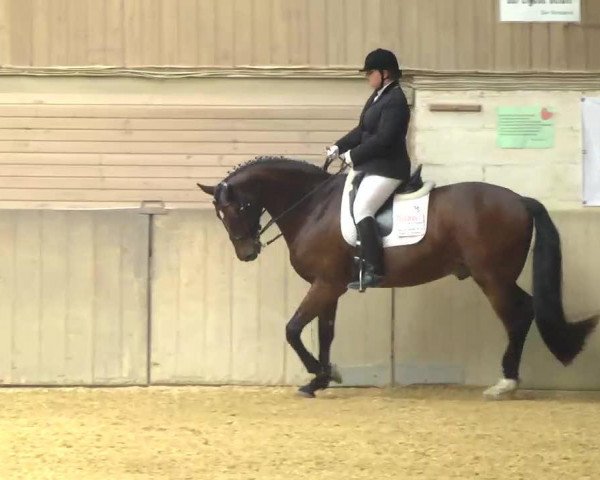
(504, 386)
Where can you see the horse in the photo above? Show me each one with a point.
(462, 239)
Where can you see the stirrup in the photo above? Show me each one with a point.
(360, 262)
(364, 280)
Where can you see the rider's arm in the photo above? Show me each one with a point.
(393, 122)
(350, 140)
(353, 138)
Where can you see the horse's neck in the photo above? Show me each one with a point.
(281, 190)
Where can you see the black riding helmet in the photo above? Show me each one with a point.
(381, 60)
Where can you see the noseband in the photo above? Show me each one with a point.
(260, 231)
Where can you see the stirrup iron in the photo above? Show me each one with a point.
(360, 262)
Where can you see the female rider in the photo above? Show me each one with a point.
(377, 147)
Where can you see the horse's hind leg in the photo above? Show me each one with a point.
(515, 308)
(326, 333)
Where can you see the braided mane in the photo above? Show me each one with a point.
(279, 160)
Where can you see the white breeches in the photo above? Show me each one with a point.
(372, 193)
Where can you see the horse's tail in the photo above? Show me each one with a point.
(565, 340)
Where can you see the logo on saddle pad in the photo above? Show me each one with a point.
(402, 219)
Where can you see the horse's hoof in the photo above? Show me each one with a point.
(503, 390)
(306, 392)
(335, 374)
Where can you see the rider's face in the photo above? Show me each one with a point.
(374, 78)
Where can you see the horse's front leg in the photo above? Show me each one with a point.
(320, 300)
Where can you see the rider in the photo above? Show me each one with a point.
(377, 148)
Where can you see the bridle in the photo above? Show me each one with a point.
(258, 230)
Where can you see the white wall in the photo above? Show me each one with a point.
(73, 297)
(462, 146)
(219, 320)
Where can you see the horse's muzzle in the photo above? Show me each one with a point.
(251, 257)
(248, 252)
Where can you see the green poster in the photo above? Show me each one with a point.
(525, 127)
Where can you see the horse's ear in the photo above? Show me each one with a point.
(207, 189)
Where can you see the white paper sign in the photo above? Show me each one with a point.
(410, 216)
(591, 150)
(540, 10)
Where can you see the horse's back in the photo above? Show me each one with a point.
(479, 188)
(475, 198)
(479, 200)
(487, 223)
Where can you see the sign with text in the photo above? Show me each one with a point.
(525, 127)
(540, 10)
(591, 150)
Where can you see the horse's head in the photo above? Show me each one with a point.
(240, 214)
(276, 184)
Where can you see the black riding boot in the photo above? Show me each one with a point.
(371, 252)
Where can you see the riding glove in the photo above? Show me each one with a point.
(333, 152)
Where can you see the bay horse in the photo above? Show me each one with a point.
(474, 229)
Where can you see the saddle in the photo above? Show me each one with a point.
(384, 216)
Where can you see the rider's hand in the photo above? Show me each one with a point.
(346, 158)
(333, 152)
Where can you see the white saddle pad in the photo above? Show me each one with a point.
(409, 216)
